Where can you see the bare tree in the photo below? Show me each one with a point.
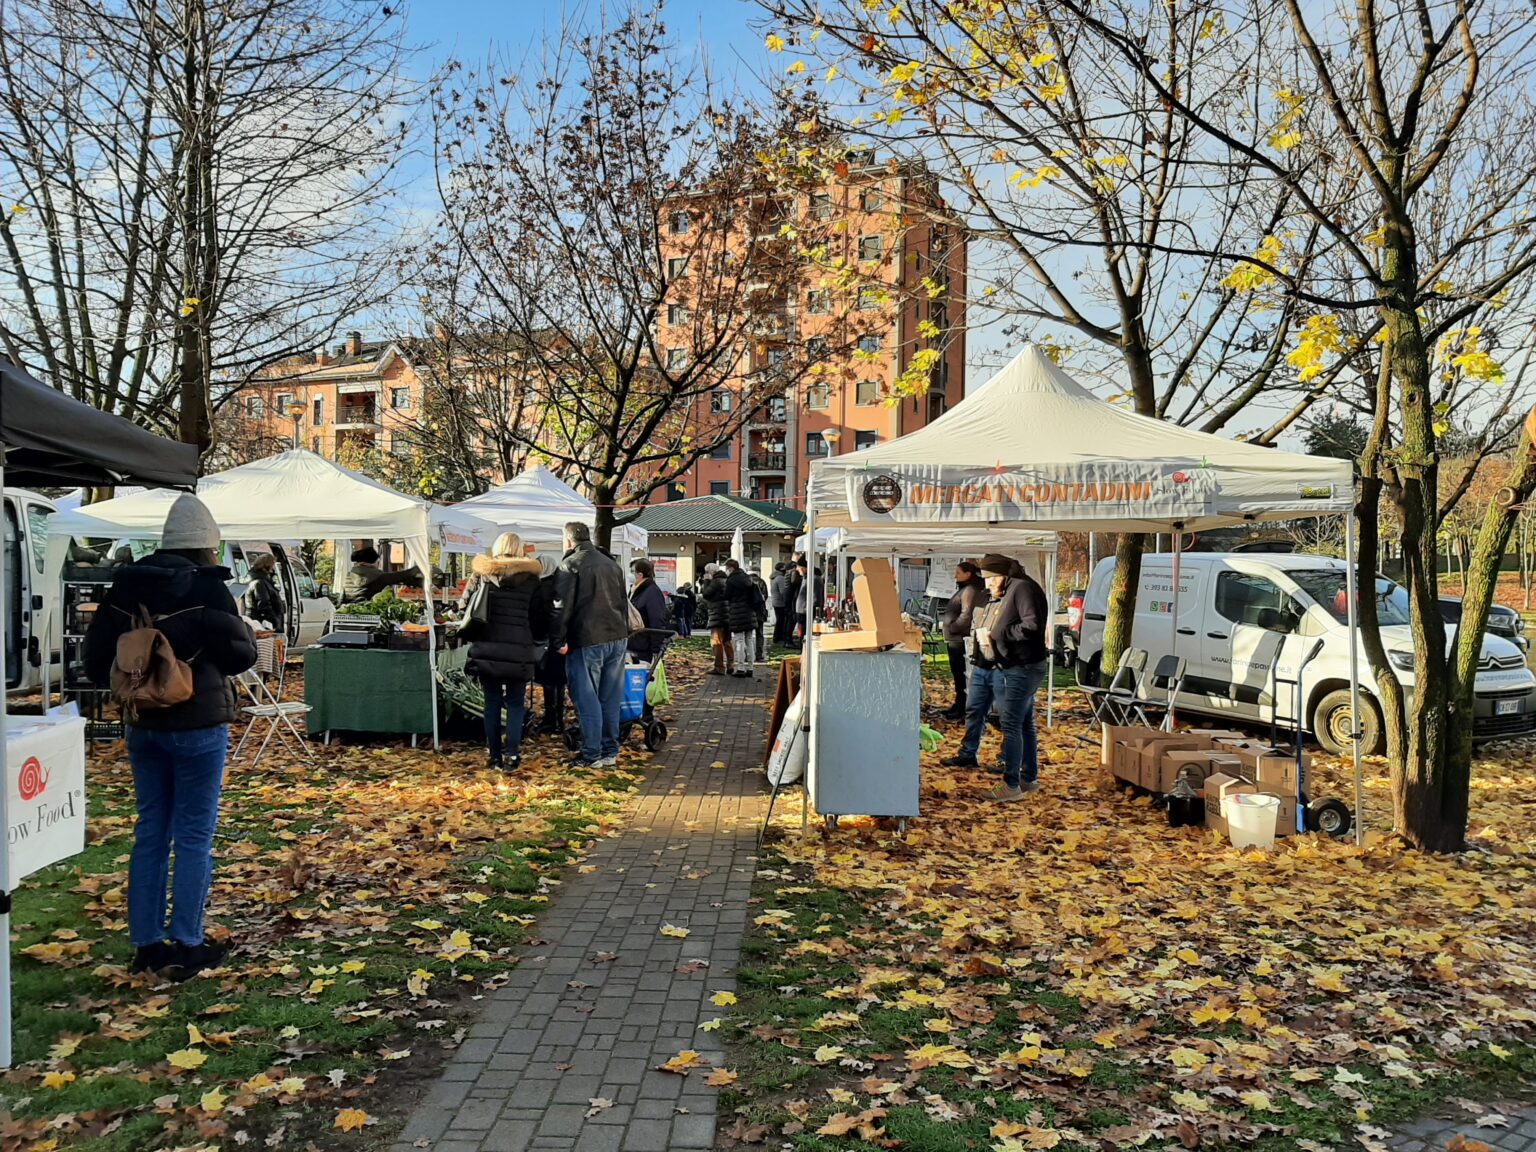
(197, 190)
(1403, 134)
(1091, 205)
(611, 219)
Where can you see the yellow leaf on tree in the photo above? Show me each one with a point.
(187, 1058)
(351, 1119)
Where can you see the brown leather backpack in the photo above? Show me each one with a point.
(146, 675)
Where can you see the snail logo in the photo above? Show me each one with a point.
(1180, 477)
(34, 779)
(882, 494)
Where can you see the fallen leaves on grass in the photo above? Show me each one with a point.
(351, 1119)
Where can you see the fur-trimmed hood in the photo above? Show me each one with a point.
(493, 569)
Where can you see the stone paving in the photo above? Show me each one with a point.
(1516, 1132)
(604, 997)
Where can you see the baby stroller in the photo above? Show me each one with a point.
(636, 708)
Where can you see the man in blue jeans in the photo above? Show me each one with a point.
(591, 630)
(1009, 663)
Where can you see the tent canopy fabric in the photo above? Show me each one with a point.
(51, 440)
(936, 540)
(536, 505)
(1033, 449)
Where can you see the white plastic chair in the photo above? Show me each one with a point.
(277, 712)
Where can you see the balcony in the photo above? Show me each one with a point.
(360, 417)
(765, 462)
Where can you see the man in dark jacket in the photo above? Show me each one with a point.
(810, 595)
(781, 599)
(263, 602)
(366, 579)
(591, 628)
(1010, 663)
(177, 752)
(550, 672)
(762, 617)
(651, 603)
(712, 592)
(505, 649)
(744, 607)
(970, 594)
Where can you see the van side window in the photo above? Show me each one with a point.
(37, 528)
(1241, 597)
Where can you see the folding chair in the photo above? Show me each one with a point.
(1120, 703)
(1169, 677)
(278, 714)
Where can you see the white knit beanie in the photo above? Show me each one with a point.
(189, 524)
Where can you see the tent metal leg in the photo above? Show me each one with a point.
(1352, 581)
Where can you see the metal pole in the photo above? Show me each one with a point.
(5, 795)
(1178, 538)
(1351, 591)
(805, 653)
(1050, 631)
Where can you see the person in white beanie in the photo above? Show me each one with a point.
(177, 751)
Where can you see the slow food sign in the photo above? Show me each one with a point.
(45, 802)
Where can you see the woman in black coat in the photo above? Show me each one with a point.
(651, 603)
(504, 650)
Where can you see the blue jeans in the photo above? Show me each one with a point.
(1014, 690)
(682, 616)
(513, 694)
(596, 676)
(177, 777)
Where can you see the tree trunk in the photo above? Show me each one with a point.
(195, 420)
(1491, 543)
(602, 525)
(1121, 614)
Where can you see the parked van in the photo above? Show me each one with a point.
(1241, 614)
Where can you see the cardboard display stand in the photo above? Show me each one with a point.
(874, 592)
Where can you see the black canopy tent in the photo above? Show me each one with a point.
(49, 439)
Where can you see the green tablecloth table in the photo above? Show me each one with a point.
(367, 690)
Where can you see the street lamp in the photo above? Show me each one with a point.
(296, 413)
(831, 436)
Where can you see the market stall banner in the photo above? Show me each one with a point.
(45, 772)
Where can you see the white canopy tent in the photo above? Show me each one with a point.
(1031, 449)
(536, 505)
(295, 494)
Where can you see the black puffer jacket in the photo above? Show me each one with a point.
(713, 593)
(961, 610)
(1018, 624)
(506, 648)
(594, 608)
(743, 602)
(201, 622)
(651, 603)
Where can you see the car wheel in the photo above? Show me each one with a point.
(1088, 672)
(1330, 723)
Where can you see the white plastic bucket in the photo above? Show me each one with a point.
(1251, 819)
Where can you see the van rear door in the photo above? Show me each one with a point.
(11, 610)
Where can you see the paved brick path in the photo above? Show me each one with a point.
(1435, 1134)
(570, 1027)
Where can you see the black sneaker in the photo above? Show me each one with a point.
(493, 764)
(190, 959)
(152, 958)
(953, 714)
(510, 764)
(582, 762)
(960, 762)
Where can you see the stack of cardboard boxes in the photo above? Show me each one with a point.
(1217, 763)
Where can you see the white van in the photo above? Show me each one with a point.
(1241, 614)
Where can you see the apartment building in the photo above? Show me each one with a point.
(355, 395)
(912, 275)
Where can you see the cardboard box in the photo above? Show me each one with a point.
(1149, 773)
(1273, 769)
(1112, 737)
(874, 591)
(1215, 734)
(1285, 823)
(1196, 765)
(1123, 748)
(1218, 786)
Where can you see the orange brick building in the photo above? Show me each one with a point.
(882, 222)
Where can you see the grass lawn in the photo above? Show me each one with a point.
(1069, 972)
(373, 896)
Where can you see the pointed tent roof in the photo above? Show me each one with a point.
(537, 505)
(1032, 448)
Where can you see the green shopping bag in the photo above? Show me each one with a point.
(656, 692)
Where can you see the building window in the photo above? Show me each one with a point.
(871, 199)
(284, 401)
(776, 409)
(253, 407)
(721, 451)
(773, 492)
(677, 267)
(317, 412)
(677, 358)
(821, 206)
(869, 299)
(818, 396)
(867, 392)
(677, 223)
(818, 302)
(863, 440)
(719, 401)
(677, 490)
(935, 406)
(869, 247)
(719, 487)
(814, 444)
(869, 344)
(400, 398)
(677, 313)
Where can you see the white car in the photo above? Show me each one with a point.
(1244, 616)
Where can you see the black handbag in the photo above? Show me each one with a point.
(477, 610)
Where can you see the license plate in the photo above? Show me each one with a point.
(1508, 707)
